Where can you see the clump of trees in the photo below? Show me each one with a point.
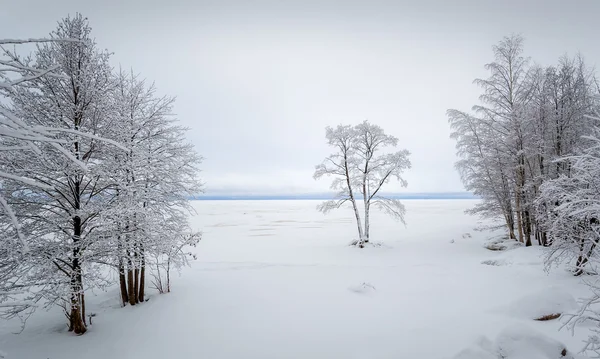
(95, 174)
(530, 122)
(531, 151)
(361, 166)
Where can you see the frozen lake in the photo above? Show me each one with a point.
(276, 279)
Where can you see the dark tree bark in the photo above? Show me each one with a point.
(142, 275)
(82, 301)
(136, 285)
(545, 241)
(527, 228)
(130, 285)
(76, 322)
(123, 283)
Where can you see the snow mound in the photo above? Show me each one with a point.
(502, 244)
(364, 288)
(482, 349)
(520, 342)
(495, 262)
(517, 342)
(548, 301)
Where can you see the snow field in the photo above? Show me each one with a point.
(276, 279)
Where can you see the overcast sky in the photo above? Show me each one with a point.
(258, 81)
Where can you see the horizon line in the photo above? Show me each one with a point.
(326, 196)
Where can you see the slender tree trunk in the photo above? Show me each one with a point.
(353, 200)
(584, 257)
(504, 199)
(581, 260)
(168, 274)
(527, 229)
(365, 187)
(545, 241)
(123, 283)
(519, 214)
(136, 275)
(367, 218)
(361, 236)
(136, 261)
(136, 284)
(510, 219)
(142, 274)
(130, 284)
(121, 268)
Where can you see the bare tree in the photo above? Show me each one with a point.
(361, 170)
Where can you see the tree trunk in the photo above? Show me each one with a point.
(584, 258)
(510, 220)
(168, 274)
(365, 188)
(519, 214)
(76, 322)
(82, 301)
(504, 199)
(121, 268)
(142, 275)
(136, 261)
(136, 284)
(353, 200)
(545, 241)
(123, 283)
(527, 229)
(130, 285)
(367, 218)
(361, 236)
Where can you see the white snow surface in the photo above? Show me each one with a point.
(517, 342)
(551, 300)
(277, 279)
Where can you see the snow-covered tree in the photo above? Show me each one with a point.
(152, 182)
(360, 170)
(94, 172)
(570, 205)
(529, 117)
(572, 221)
(36, 141)
(62, 217)
(491, 142)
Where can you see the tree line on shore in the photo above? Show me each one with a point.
(531, 150)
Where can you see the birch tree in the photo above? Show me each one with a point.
(572, 221)
(572, 205)
(360, 171)
(529, 117)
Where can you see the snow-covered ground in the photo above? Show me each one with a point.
(276, 279)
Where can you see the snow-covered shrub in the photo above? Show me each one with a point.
(172, 255)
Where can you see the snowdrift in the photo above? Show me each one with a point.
(517, 342)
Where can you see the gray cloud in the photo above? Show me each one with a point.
(258, 81)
